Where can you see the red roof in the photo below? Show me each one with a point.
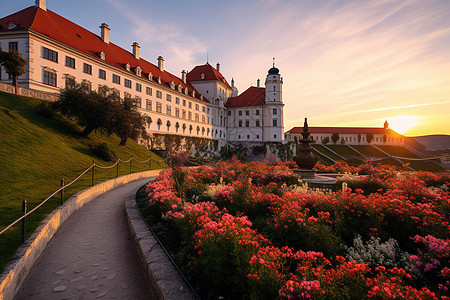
(62, 30)
(210, 73)
(343, 130)
(252, 96)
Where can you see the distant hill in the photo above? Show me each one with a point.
(434, 142)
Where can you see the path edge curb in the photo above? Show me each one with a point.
(160, 273)
(18, 268)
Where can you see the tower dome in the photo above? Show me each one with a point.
(274, 71)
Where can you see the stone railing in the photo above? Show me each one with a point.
(21, 91)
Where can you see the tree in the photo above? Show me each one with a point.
(14, 64)
(326, 140)
(335, 137)
(127, 122)
(91, 109)
(369, 137)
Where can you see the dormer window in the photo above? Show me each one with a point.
(193, 93)
(159, 79)
(186, 90)
(201, 97)
(172, 85)
(150, 75)
(102, 55)
(202, 76)
(179, 87)
(127, 66)
(12, 25)
(138, 71)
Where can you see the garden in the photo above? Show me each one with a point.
(255, 231)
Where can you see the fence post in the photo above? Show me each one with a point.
(24, 220)
(118, 163)
(62, 190)
(131, 162)
(93, 172)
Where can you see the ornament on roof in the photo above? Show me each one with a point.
(186, 91)
(172, 85)
(158, 79)
(150, 75)
(127, 66)
(179, 87)
(102, 55)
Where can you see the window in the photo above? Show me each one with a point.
(248, 137)
(158, 107)
(70, 62)
(148, 91)
(101, 74)
(240, 123)
(127, 83)
(116, 79)
(87, 68)
(274, 136)
(257, 136)
(247, 113)
(87, 85)
(247, 123)
(49, 54)
(177, 100)
(274, 122)
(148, 105)
(189, 116)
(229, 113)
(183, 114)
(257, 112)
(138, 102)
(177, 112)
(168, 110)
(190, 104)
(203, 119)
(203, 109)
(240, 113)
(197, 118)
(184, 102)
(138, 87)
(257, 123)
(274, 111)
(49, 78)
(158, 94)
(13, 46)
(168, 97)
(197, 107)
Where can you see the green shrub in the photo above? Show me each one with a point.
(104, 152)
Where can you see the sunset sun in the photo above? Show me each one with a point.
(402, 124)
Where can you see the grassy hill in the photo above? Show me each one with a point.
(36, 152)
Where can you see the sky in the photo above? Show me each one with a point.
(350, 63)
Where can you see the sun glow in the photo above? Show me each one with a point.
(402, 124)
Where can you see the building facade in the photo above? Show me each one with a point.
(349, 135)
(194, 105)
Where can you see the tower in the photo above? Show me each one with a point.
(274, 84)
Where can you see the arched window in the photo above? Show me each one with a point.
(184, 128)
(177, 125)
(190, 128)
(168, 125)
(159, 122)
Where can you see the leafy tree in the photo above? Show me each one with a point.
(326, 140)
(14, 64)
(91, 109)
(335, 137)
(127, 122)
(103, 110)
(369, 137)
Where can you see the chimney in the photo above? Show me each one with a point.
(218, 67)
(161, 63)
(257, 82)
(41, 4)
(105, 32)
(136, 50)
(183, 76)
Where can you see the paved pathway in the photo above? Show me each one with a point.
(91, 256)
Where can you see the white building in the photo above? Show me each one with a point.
(349, 135)
(194, 105)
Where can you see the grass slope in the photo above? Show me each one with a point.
(35, 153)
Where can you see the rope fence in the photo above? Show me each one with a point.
(61, 189)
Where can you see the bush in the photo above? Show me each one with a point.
(44, 109)
(104, 152)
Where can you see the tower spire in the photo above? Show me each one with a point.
(274, 62)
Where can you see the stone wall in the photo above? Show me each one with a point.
(4, 87)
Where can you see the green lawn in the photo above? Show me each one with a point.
(416, 165)
(346, 152)
(35, 153)
(369, 151)
(323, 160)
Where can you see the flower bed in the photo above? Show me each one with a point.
(252, 230)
